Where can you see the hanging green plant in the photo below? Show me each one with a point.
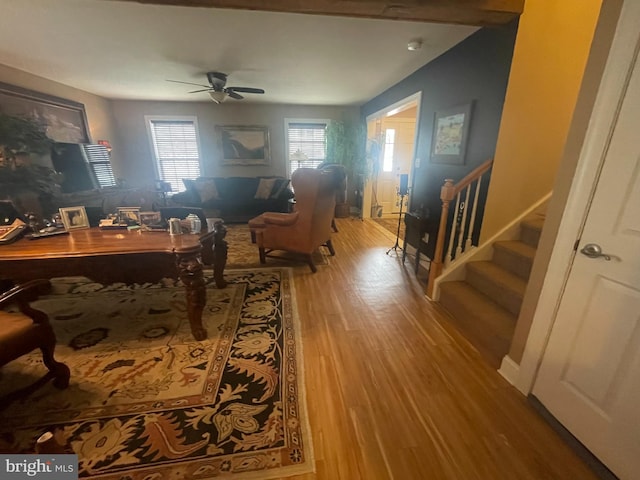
(346, 145)
(20, 137)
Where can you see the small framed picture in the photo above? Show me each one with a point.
(74, 218)
(129, 215)
(450, 132)
(150, 218)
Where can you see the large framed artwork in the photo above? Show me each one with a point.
(244, 145)
(64, 120)
(450, 131)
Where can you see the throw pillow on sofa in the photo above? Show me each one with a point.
(206, 188)
(279, 187)
(263, 192)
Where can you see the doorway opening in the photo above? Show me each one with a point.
(391, 141)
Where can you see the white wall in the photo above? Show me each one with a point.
(136, 164)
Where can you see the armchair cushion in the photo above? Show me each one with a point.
(14, 326)
(309, 226)
(27, 329)
(274, 218)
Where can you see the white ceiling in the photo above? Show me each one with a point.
(125, 50)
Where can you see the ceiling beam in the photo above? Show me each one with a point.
(462, 12)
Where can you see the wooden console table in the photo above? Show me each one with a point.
(416, 225)
(108, 256)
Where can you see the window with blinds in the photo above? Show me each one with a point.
(100, 164)
(306, 144)
(175, 144)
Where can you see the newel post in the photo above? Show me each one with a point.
(447, 193)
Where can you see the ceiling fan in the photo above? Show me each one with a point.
(217, 89)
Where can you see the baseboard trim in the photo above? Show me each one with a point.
(509, 370)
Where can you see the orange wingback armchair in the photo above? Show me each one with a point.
(306, 228)
(24, 331)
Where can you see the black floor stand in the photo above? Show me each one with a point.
(397, 244)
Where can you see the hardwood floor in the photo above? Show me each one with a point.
(395, 392)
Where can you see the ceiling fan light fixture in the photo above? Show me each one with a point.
(218, 96)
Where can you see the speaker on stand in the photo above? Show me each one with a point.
(403, 191)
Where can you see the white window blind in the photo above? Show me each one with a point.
(306, 145)
(100, 163)
(176, 150)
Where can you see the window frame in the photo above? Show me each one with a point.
(102, 159)
(287, 123)
(172, 118)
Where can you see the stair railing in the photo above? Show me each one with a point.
(460, 234)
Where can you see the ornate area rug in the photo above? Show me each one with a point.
(244, 254)
(147, 401)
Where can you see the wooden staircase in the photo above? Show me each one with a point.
(485, 305)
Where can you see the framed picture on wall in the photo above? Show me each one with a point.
(244, 145)
(450, 131)
(64, 120)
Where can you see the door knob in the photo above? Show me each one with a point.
(593, 250)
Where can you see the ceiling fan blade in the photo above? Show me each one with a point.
(235, 95)
(246, 89)
(189, 83)
(198, 91)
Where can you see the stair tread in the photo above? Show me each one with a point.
(500, 276)
(486, 325)
(517, 247)
(483, 306)
(535, 222)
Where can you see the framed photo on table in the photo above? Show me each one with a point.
(74, 218)
(244, 145)
(129, 215)
(150, 218)
(450, 132)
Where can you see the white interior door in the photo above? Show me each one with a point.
(589, 378)
(397, 157)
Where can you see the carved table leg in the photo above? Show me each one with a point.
(220, 249)
(190, 272)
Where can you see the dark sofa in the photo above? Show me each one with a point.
(235, 199)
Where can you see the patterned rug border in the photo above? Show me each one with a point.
(310, 464)
(302, 386)
(292, 323)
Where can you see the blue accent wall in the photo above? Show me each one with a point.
(476, 70)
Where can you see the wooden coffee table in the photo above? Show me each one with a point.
(108, 256)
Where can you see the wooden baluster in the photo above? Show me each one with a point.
(461, 246)
(435, 269)
(449, 256)
(447, 192)
(469, 240)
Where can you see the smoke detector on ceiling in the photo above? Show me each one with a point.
(414, 45)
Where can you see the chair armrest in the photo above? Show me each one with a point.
(282, 219)
(25, 292)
